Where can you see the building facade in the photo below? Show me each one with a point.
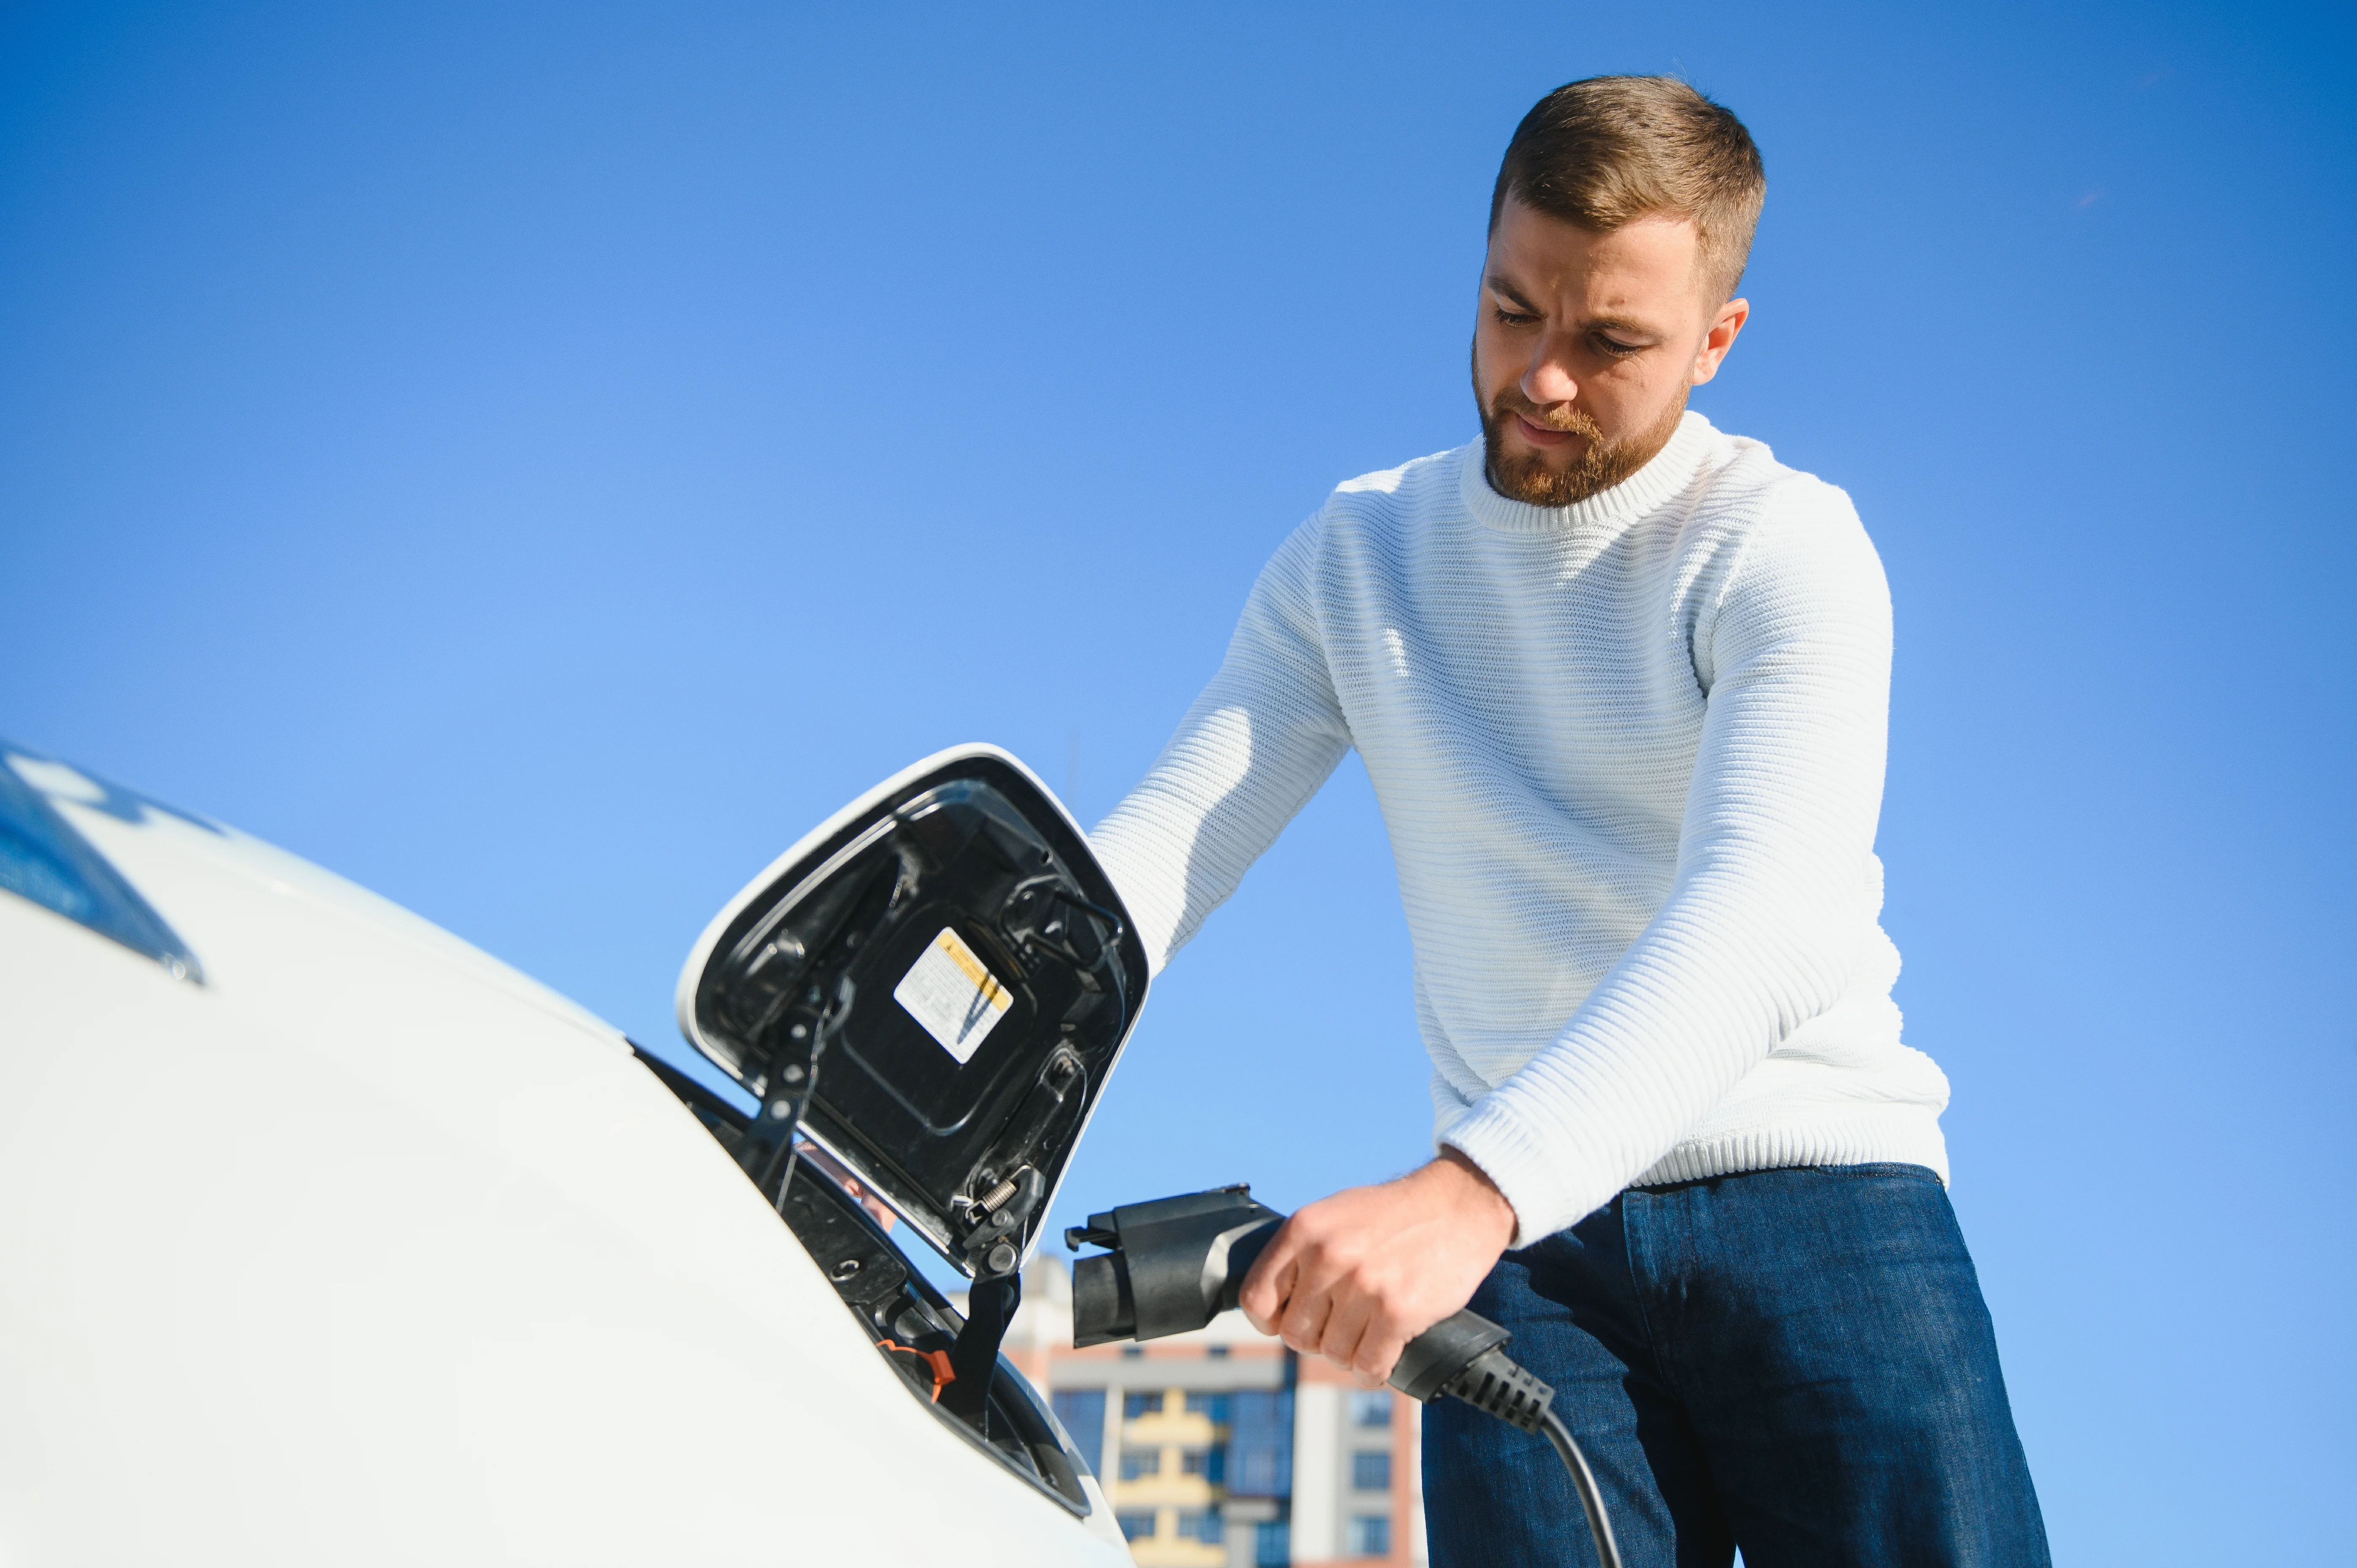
(1222, 1449)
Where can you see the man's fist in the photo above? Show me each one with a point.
(1355, 1276)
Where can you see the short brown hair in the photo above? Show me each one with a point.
(1609, 150)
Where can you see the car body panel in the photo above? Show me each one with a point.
(368, 1249)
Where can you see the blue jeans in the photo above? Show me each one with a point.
(1797, 1362)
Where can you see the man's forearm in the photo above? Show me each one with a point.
(1256, 745)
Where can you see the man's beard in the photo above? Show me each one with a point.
(1601, 465)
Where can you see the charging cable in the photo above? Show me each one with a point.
(1499, 1385)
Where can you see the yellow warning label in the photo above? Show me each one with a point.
(954, 995)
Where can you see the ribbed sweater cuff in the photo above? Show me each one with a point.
(1540, 1183)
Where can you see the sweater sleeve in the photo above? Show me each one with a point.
(1771, 901)
(1256, 745)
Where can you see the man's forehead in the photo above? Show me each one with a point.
(1531, 250)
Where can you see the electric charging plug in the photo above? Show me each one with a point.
(1174, 1264)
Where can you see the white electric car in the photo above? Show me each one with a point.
(326, 1239)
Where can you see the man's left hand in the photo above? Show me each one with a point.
(1355, 1276)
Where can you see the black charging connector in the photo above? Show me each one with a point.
(1174, 1264)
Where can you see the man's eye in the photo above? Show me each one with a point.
(1511, 317)
(1617, 349)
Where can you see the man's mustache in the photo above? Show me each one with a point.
(1570, 418)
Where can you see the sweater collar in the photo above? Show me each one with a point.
(1641, 492)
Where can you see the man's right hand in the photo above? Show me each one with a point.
(1355, 1276)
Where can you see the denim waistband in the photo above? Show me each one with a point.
(1897, 1169)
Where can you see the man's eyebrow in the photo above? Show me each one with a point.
(1627, 324)
(1504, 290)
(1624, 324)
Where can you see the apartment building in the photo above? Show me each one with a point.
(1221, 1449)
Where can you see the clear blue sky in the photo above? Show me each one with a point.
(538, 461)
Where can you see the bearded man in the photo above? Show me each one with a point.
(1622, 683)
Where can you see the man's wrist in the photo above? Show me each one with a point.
(1481, 1192)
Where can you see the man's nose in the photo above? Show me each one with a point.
(1546, 379)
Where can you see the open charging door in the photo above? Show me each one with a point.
(932, 987)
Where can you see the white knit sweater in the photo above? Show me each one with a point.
(1630, 754)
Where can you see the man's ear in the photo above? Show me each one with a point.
(1720, 338)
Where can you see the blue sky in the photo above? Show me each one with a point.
(537, 461)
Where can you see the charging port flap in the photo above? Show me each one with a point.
(933, 988)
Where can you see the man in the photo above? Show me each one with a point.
(1621, 682)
